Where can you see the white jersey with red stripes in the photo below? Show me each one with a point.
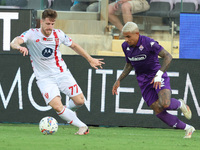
(46, 58)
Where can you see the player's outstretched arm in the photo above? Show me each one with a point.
(127, 69)
(95, 63)
(15, 44)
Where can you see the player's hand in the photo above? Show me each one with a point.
(157, 80)
(95, 63)
(157, 84)
(115, 87)
(23, 50)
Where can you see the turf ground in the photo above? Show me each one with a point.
(28, 137)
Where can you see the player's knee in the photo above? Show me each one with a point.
(165, 104)
(81, 101)
(58, 108)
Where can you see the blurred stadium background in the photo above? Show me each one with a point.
(174, 24)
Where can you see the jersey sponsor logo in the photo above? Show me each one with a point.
(47, 39)
(138, 57)
(47, 52)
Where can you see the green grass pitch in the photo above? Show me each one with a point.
(28, 137)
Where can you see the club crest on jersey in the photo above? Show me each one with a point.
(141, 47)
(46, 95)
(47, 52)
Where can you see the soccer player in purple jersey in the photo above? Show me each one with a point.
(142, 53)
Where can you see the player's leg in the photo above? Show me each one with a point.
(76, 102)
(51, 95)
(160, 107)
(65, 113)
(184, 108)
(68, 85)
(169, 103)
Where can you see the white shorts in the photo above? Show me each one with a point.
(51, 86)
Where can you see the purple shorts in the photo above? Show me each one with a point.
(149, 93)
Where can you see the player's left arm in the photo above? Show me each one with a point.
(167, 58)
(95, 63)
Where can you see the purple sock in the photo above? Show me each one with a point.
(171, 120)
(174, 105)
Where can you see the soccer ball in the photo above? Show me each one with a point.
(48, 125)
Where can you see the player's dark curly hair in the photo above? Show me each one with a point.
(49, 13)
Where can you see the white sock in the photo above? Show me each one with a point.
(73, 106)
(71, 118)
(181, 104)
(187, 126)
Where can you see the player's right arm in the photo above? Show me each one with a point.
(127, 69)
(16, 44)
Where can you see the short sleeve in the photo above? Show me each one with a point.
(155, 46)
(26, 35)
(66, 40)
(124, 47)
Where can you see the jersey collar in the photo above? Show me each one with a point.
(42, 35)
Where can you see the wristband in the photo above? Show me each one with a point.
(158, 76)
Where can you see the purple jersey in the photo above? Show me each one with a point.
(144, 56)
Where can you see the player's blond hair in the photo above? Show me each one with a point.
(130, 27)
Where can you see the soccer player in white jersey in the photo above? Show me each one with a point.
(50, 70)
